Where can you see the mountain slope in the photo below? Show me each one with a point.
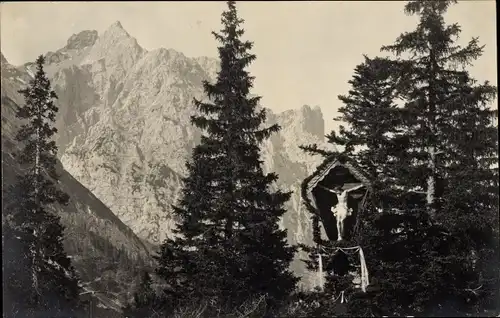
(103, 249)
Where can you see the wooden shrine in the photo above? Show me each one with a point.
(318, 197)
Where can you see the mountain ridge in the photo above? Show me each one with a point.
(125, 130)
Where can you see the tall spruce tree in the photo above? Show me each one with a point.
(38, 273)
(451, 157)
(230, 245)
(431, 239)
(371, 115)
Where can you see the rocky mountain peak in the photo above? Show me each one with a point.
(81, 40)
(116, 37)
(3, 60)
(313, 120)
(304, 119)
(116, 30)
(210, 65)
(9, 71)
(306, 109)
(164, 54)
(114, 53)
(117, 24)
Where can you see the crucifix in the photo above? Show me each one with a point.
(341, 211)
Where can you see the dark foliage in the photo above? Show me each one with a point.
(146, 303)
(229, 246)
(422, 128)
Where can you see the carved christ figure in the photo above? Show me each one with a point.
(341, 211)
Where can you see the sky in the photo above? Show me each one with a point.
(306, 50)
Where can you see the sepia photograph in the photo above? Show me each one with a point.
(249, 159)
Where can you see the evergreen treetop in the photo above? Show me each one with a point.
(229, 244)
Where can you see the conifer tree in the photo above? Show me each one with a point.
(146, 303)
(370, 114)
(229, 242)
(38, 273)
(146, 293)
(452, 153)
(431, 248)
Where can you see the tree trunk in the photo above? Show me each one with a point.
(431, 179)
(431, 182)
(34, 247)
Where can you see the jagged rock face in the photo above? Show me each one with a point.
(125, 130)
(82, 40)
(76, 42)
(102, 247)
(281, 154)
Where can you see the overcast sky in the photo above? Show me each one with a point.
(306, 51)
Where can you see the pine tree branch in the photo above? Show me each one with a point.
(313, 149)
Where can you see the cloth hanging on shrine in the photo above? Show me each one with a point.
(365, 279)
(321, 275)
